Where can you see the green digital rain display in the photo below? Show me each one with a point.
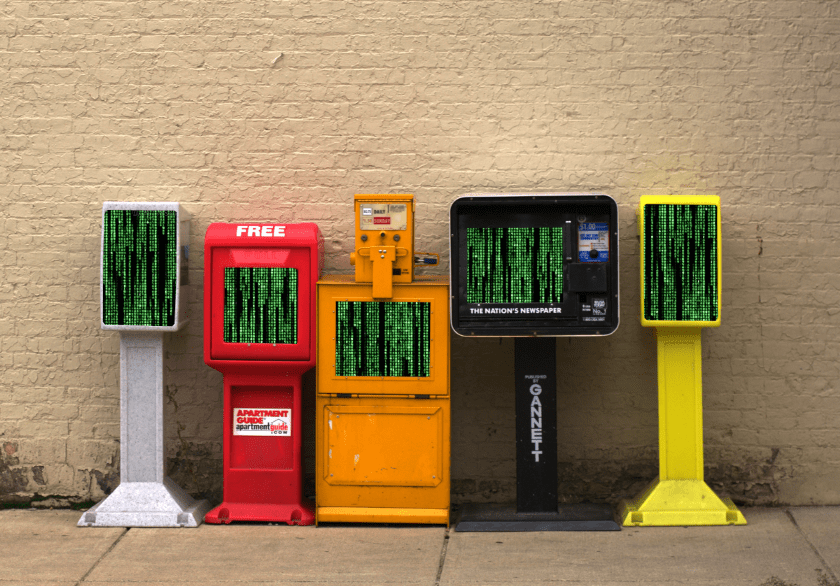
(139, 267)
(514, 265)
(261, 305)
(680, 262)
(382, 338)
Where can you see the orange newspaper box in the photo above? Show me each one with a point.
(382, 406)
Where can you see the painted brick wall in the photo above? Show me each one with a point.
(282, 110)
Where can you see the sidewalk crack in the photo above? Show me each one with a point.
(102, 557)
(442, 557)
(813, 548)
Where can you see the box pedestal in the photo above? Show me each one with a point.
(535, 373)
(680, 496)
(145, 497)
(263, 474)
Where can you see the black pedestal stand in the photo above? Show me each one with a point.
(535, 367)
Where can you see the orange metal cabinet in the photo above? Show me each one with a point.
(383, 442)
(382, 460)
(336, 289)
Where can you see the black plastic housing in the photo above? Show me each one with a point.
(589, 304)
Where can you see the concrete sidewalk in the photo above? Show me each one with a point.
(778, 547)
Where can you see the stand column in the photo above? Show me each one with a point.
(680, 495)
(535, 369)
(679, 364)
(145, 497)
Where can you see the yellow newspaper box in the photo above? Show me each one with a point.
(680, 293)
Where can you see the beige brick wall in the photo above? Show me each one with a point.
(283, 110)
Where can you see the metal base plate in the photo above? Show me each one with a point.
(382, 515)
(146, 504)
(504, 517)
(679, 503)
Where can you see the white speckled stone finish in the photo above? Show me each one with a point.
(147, 504)
(145, 497)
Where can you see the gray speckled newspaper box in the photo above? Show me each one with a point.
(144, 252)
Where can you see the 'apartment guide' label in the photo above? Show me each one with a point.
(253, 421)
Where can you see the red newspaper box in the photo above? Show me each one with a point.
(259, 332)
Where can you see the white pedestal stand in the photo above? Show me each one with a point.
(145, 497)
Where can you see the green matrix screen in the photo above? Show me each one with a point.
(261, 305)
(382, 338)
(139, 267)
(680, 256)
(515, 265)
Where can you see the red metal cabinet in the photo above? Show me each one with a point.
(259, 332)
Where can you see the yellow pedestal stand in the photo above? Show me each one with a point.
(680, 496)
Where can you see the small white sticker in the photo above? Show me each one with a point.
(253, 421)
